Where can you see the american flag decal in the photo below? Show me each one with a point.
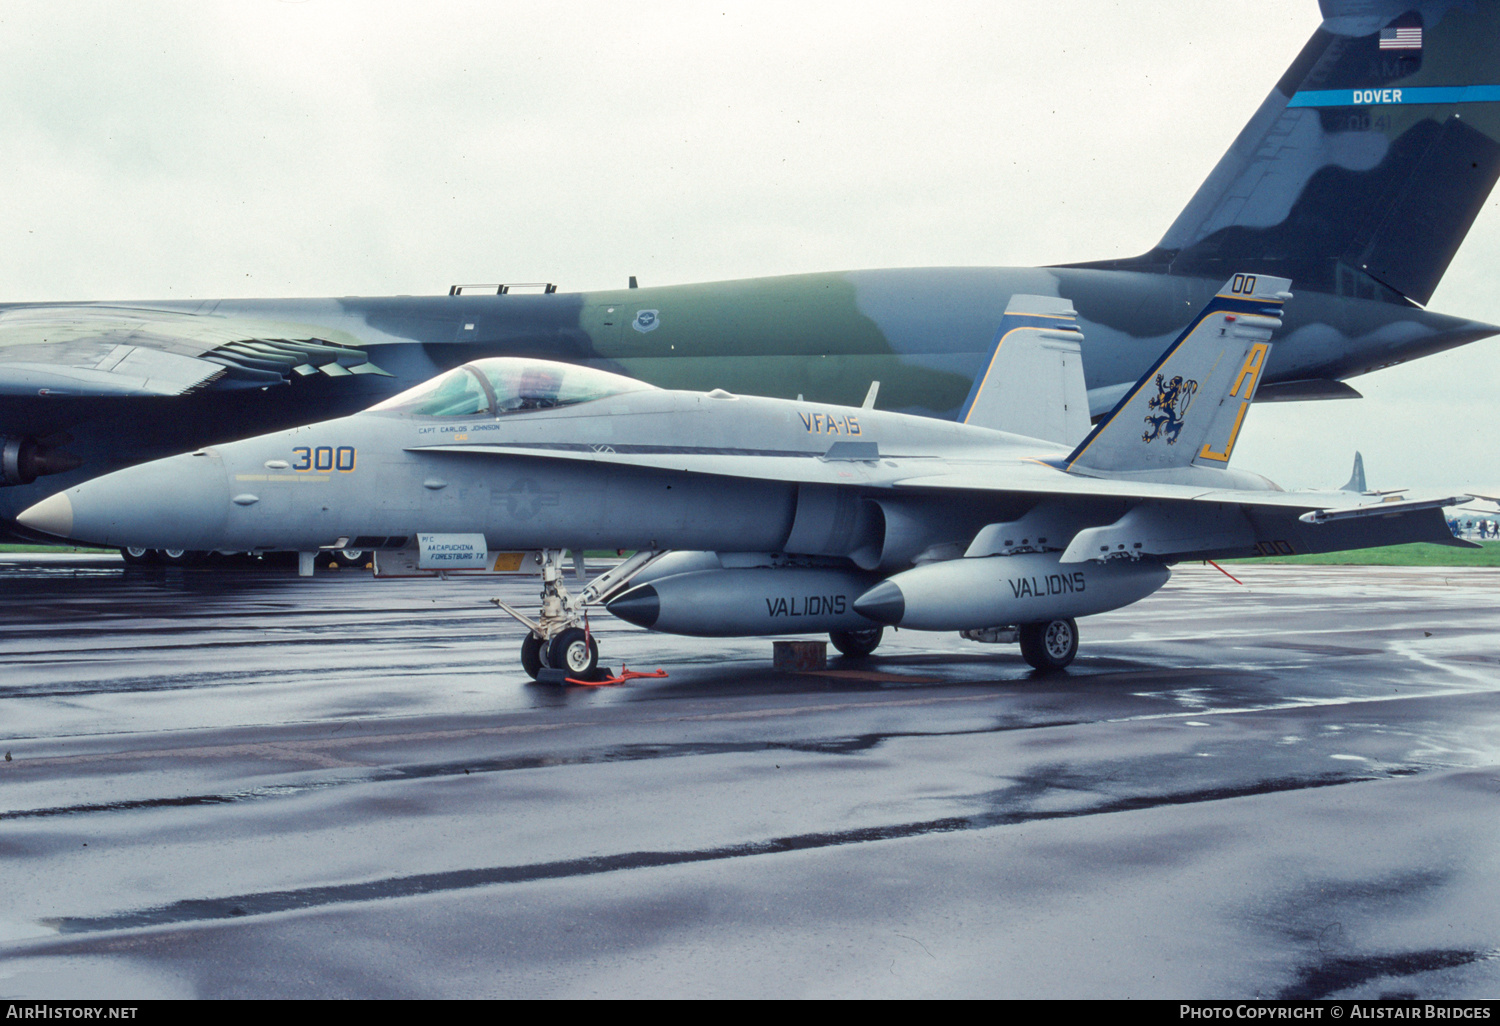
(1401, 38)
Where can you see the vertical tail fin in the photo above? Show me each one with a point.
(1357, 478)
(1189, 407)
(1033, 383)
(1362, 171)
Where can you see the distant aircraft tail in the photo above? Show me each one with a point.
(1357, 478)
(1362, 171)
(1189, 407)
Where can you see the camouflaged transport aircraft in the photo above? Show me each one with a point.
(1358, 177)
(753, 515)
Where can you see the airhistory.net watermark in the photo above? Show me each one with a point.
(48, 1010)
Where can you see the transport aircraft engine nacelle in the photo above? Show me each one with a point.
(23, 460)
(749, 602)
(992, 591)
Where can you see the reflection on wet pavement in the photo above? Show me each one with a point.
(1282, 789)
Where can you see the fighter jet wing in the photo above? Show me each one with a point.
(124, 351)
(844, 467)
(1038, 478)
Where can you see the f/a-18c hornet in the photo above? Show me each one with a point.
(1358, 177)
(754, 515)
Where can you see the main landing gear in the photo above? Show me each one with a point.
(559, 639)
(166, 557)
(857, 644)
(1046, 644)
(1049, 645)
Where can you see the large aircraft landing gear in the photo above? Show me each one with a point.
(334, 559)
(857, 644)
(559, 638)
(1049, 645)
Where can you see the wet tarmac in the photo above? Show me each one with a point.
(245, 784)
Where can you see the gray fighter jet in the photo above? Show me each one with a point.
(1358, 177)
(755, 516)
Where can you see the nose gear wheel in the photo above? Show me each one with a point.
(574, 651)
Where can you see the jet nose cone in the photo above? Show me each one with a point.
(883, 603)
(176, 503)
(53, 515)
(640, 606)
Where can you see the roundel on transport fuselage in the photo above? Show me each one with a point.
(506, 384)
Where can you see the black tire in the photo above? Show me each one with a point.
(857, 644)
(531, 655)
(138, 557)
(335, 559)
(1051, 644)
(181, 557)
(574, 651)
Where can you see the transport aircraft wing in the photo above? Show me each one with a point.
(123, 351)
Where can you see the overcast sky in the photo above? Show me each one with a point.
(270, 148)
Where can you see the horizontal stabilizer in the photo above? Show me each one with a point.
(1305, 389)
(1033, 383)
(1189, 407)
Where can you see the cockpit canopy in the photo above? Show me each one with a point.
(508, 384)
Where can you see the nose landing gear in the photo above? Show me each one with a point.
(559, 638)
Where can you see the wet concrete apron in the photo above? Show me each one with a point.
(236, 783)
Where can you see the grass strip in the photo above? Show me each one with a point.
(1415, 554)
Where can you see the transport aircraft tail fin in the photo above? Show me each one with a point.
(1357, 478)
(1033, 383)
(1189, 407)
(1362, 171)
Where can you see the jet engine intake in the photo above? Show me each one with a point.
(877, 533)
(835, 522)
